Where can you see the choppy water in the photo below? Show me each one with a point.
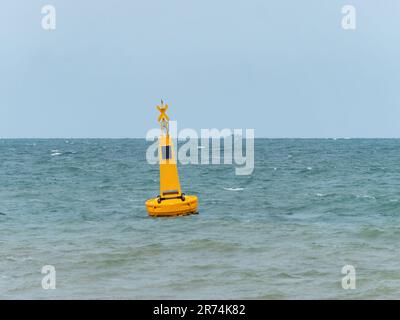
(286, 231)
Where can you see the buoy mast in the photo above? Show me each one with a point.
(171, 201)
(169, 179)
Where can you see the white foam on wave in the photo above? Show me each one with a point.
(365, 196)
(56, 154)
(233, 189)
(309, 168)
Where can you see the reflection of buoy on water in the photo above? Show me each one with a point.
(171, 201)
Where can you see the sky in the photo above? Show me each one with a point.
(283, 68)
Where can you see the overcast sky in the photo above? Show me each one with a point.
(285, 68)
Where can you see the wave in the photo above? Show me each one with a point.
(365, 196)
(233, 189)
(371, 232)
(55, 153)
(59, 153)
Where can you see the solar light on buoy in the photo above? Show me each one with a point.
(171, 201)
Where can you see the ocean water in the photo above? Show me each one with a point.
(285, 232)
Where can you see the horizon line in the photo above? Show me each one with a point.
(144, 138)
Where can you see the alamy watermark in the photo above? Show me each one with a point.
(349, 18)
(348, 21)
(206, 148)
(349, 280)
(49, 18)
(49, 280)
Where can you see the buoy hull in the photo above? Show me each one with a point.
(172, 207)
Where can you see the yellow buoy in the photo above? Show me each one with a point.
(171, 201)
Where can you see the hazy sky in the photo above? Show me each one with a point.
(284, 68)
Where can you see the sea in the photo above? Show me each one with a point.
(314, 216)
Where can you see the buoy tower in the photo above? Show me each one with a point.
(171, 201)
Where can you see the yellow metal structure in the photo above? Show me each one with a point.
(171, 201)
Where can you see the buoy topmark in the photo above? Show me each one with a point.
(171, 201)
